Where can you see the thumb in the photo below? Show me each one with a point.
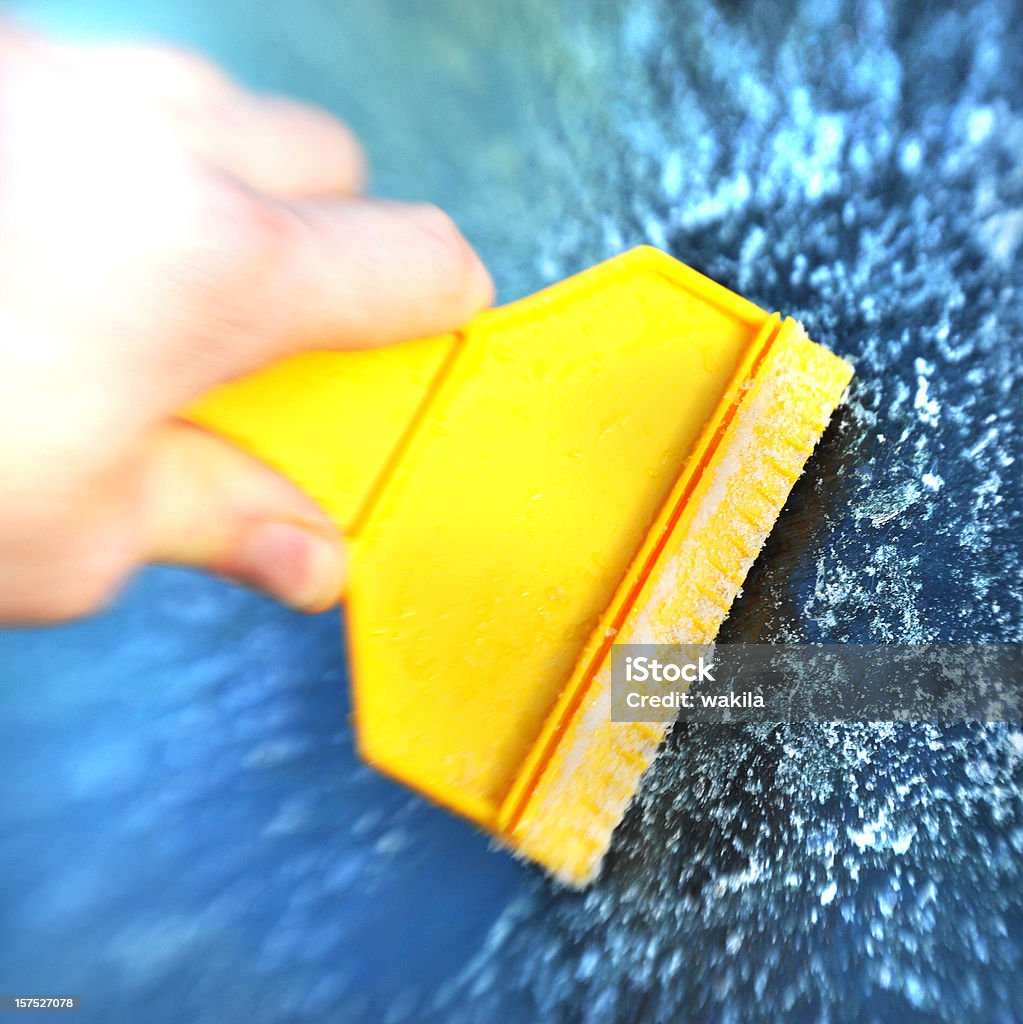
(211, 505)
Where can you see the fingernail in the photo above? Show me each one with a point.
(295, 564)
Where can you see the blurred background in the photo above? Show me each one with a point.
(185, 833)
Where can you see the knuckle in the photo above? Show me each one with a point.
(187, 70)
(241, 227)
(235, 241)
(227, 253)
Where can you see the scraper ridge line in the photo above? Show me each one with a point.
(392, 461)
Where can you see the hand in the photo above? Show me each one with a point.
(163, 231)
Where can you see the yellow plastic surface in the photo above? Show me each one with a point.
(529, 484)
(515, 511)
(329, 421)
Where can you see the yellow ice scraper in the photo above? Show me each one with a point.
(597, 463)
